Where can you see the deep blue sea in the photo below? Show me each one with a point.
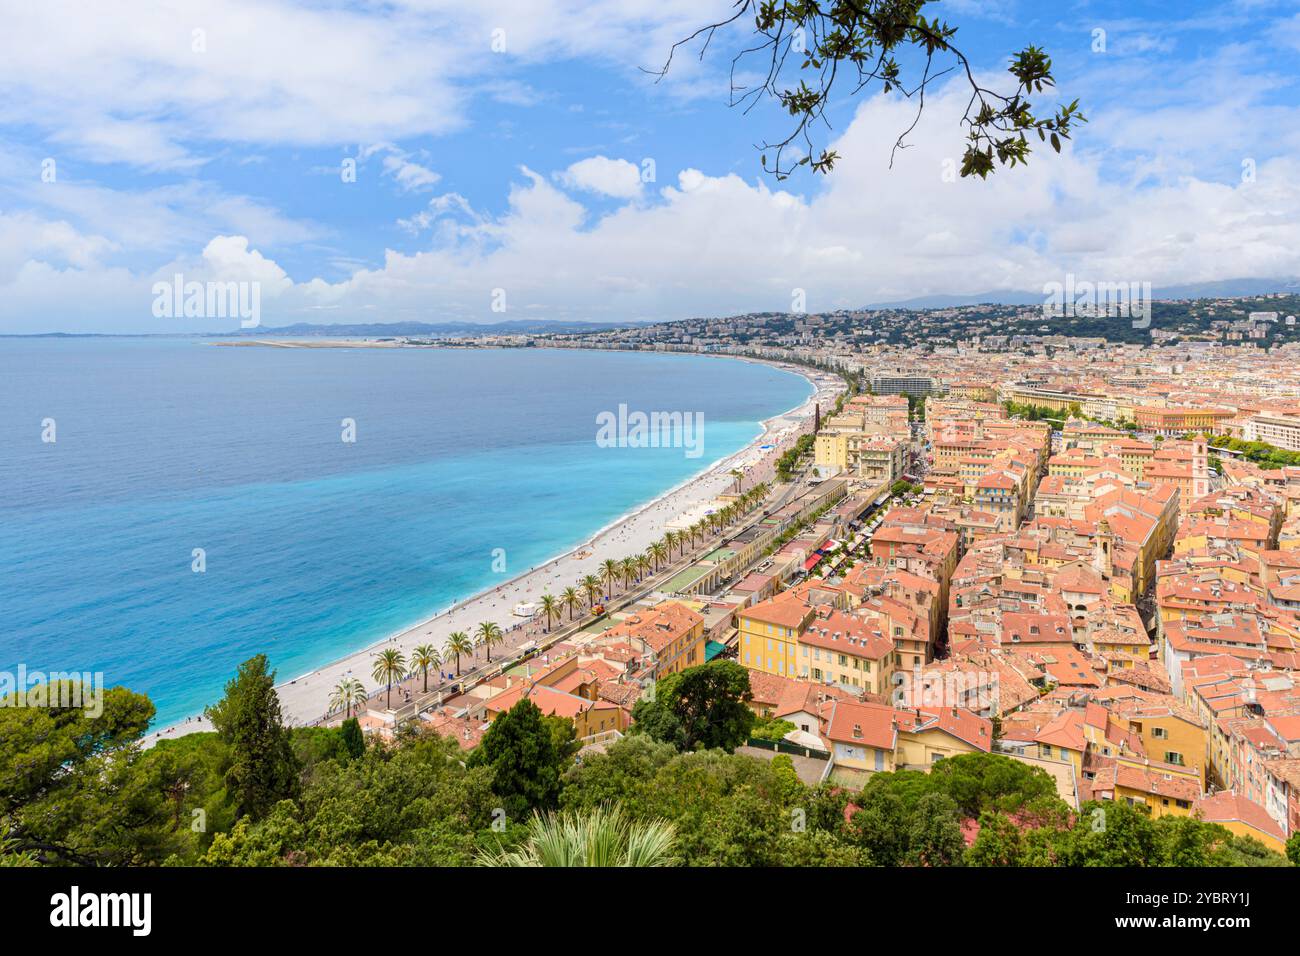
(314, 546)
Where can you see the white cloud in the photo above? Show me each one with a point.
(134, 83)
(608, 177)
(720, 244)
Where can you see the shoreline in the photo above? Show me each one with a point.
(304, 698)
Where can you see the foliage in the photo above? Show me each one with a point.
(770, 728)
(526, 753)
(801, 48)
(81, 790)
(605, 836)
(263, 767)
(698, 708)
(354, 741)
(1264, 455)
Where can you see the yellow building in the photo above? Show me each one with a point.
(1162, 788)
(836, 648)
(769, 633)
(1170, 733)
(790, 637)
(1244, 818)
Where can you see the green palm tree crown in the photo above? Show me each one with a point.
(424, 657)
(602, 837)
(489, 634)
(609, 572)
(359, 694)
(341, 696)
(390, 665)
(570, 599)
(550, 607)
(458, 643)
(591, 584)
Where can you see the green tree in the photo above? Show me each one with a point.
(772, 728)
(71, 786)
(550, 609)
(629, 571)
(489, 633)
(263, 768)
(458, 643)
(1293, 848)
(591, 584)
(1109, 833)
(610, 571)
(390, 666)
(354, 741)
(423, 658)
(699, 708)
(347, 693)
(1000, 842)
(570, 600)
(520, 748)
(657, 553)
(880, 826)
(934, 832)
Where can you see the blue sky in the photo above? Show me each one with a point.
(133, 148)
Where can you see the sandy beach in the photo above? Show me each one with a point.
(305, 697)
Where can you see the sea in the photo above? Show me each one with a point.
(170, 507)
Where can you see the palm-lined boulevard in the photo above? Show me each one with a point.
(425, 677)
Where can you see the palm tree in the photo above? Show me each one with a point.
(550, 607)
(424, 657)
(458, 643)
(348, 693)
(609, 573)
(489, 634)
(390, 665)
(591, 584)
(671, 538)
(629, 570)
(738, 475)
(605, 836)
(643, 564)
(657, 553)
(570, 600)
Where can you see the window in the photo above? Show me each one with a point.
(1159, 733)
(1174, 757)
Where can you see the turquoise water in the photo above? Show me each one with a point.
(314, 546)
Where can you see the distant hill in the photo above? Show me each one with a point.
(1201, 290)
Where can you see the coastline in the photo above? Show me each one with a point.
(304, 697)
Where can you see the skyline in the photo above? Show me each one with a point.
(522, 171)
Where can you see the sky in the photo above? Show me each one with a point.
(435, 160)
